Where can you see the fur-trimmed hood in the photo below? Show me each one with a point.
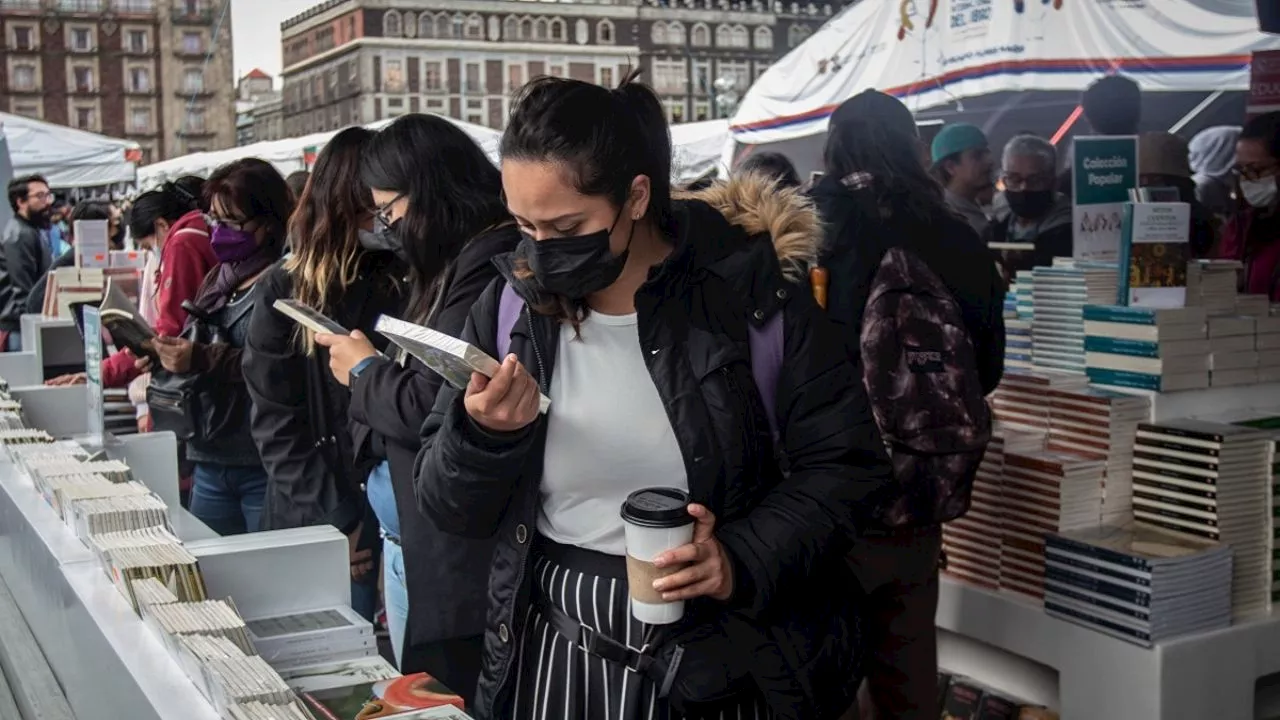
(758, 206)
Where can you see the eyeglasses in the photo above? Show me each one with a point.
(1255, 172)
(213, 221)
(45, 195)
(1039, 181)
(382, 213)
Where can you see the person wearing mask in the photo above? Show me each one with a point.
(439, 205)
(297, 182)
(1252, 236)
(1212, 154)
(60, 228)
(299, 417)
(1162, 160)
(962, 164)
(249, 208)
(172, 221)
(1113, 106)
(82, 211)
(1033, 225)
(874, 196)
(634, 319)
(771, 165)
(26, 256)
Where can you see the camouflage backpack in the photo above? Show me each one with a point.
(921, 374)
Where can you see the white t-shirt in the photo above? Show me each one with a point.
(607, 435)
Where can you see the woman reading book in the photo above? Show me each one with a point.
(637, 313)
(437, 199)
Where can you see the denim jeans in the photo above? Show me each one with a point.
(15, 342)
(228, 498)
(395, 595)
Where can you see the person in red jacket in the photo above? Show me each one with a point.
(1253, 235)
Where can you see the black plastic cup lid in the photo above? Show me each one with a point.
(657, 508)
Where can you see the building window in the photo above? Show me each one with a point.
(410, 24)
(435, 104)
(724, 36)
(23, 37)
(192, 80)
(138, 41)
(85, 117)
(30, 110)
(675, 34)
(140, 120)
(192, 43)
(557, 30)
(81, 39)
(669, 77)
(739, 37)
(761, 69)
(195, 120)
(701, 36)
(797, 34)
(515, 77)
(391, 24)
(540, 29)
(675, 110)
(432, 78)
(475, 27)
(473, 79)
(475, 119)
(510, 28)
(426, 25)
(443, 25)
(526, 29)
(555, 71)
(24, 77)
(83, 78)
(658, 33)
(475, 104)
(393, 76)
(604, 32)
(140, 79)
(701, 111)
(458, 26)
(606, 77)
(740, 71)
(702, 77)
(764, 38)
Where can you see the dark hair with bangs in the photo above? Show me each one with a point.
(254, 190)
(604, 138)
(453, 190)
(170, 201)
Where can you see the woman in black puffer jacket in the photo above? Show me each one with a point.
(638, 316)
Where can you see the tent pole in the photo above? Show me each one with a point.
(1196, 111)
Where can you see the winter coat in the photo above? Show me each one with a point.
(741, 253)
(24, 259)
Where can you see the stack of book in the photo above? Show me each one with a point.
(1267, 344)
(1019, 401)
(15, 439)
(1043, 492)
(357, 688)
(1268, 422)
(1060, 295)
(1157, 349)
(1211, 284)
(1211, 480)
(1018, 312)
(209, 618)
(170, 564)
(1233, 360)
(1137, 583)
(255, 710)
(94, 516)
(306, 638)
(972, 543)
(1100, 425)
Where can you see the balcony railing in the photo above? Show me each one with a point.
(198, 14)
(134, 6)
(79, 6)
(21, 4)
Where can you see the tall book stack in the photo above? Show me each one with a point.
(1270, 423)
(1267, 344)
(1233, 360)
(1211, 284)
(1100, 425)
(1018, 352)
(1060, 294)
(1211, 480)
(1043, 492)
(1138, 583)
(1019, 401)
(1157, 349)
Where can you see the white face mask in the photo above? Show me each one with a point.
(1259, 193)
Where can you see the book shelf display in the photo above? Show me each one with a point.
(131, 601)
(1148, 481)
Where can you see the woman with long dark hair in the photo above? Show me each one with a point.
(638, 317)
(249, 207)
(338, 268)
(438, 203)
(1253, 235)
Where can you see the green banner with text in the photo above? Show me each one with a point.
(1103, 171)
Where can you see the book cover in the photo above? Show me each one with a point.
(309, 318)
(402, 697)
(122, 320)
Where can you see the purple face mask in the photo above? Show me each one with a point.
(231, 245)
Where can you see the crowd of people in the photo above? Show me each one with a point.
(725, 340)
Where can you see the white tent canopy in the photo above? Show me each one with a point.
(695, 148)
(975, 47)
(68, 158)
(286, 155)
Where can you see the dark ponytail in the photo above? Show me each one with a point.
(170, 202)
(606, 139)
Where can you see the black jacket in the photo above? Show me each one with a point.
(25, 259)
(856, 240)
(446, 576)
(299, 418)
(785, 536)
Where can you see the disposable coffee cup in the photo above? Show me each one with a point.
(656, 520)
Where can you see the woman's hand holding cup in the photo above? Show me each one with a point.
(709, 572)
(506, 402)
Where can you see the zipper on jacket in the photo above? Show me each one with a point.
(537, 352)
(748, 408)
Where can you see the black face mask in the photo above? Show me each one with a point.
(574, 267)
(384, 237)
(1030, 204)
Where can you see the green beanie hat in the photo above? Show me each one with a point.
(955, 139)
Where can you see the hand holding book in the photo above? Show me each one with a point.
(346, 352)
(506, 402)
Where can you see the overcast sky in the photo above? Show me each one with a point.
(255, 26)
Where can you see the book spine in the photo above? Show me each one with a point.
(1181, 432)
(1085, 550)
(1120, 346)
(1121, 378)
(1120, 314)
(1126, 255)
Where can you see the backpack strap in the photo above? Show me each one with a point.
(508, 312)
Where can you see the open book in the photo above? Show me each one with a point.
(452, 358)
(309, 318)
(121, 318)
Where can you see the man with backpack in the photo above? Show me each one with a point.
(920, 298)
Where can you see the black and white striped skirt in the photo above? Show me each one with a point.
(557, 680)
